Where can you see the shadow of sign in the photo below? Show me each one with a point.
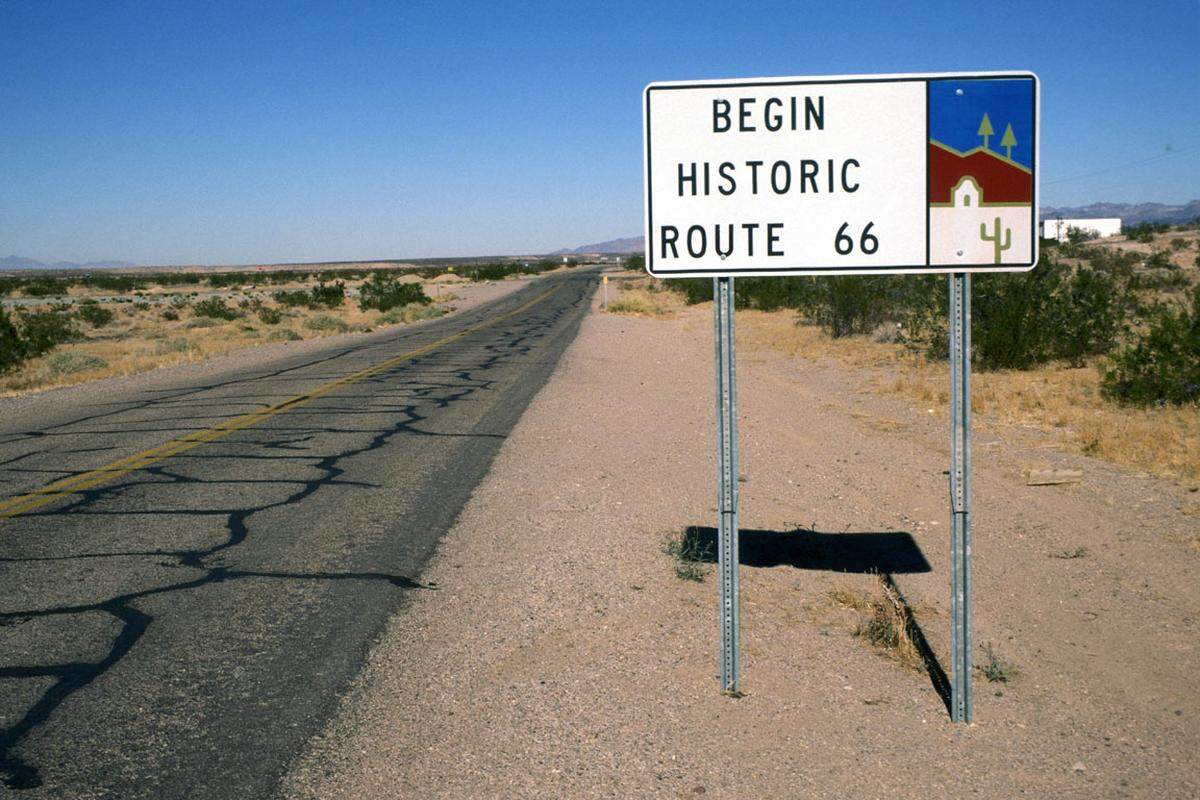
(885, 552)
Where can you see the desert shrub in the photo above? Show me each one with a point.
(180, 302)
(1145, 231)
(384, 292)
(410, 313)
(44, 330)
(141, 305)
(1080, 235)
(169, 314)
(202, 322)
(270, 316)
(45, 287)
(293, 299)
(226, 279)
(1179, 243)
(12, 346)
(1012, 317)
(1163, 364)
(1087, 315)
(329, 295)
(637, 262)
(112, 283)
(851, 305)
(324, 322)
(95, 314)
(214, 308)
(69, 362)
(175, 345)
(1160, 259)
(283, 335)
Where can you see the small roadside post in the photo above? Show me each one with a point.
(604, 282)
(793, 177)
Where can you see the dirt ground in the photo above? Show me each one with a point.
(555, 652)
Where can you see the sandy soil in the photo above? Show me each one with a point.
(558, 655)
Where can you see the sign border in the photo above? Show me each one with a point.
(912, 269)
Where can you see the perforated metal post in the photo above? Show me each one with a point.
(960, 496)
(727, 541)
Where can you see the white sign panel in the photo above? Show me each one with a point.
(842, 175)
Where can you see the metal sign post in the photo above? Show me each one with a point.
(960, 495)
(727, 541)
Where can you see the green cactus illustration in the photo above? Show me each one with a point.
(995, 237)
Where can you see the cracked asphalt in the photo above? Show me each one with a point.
(181, 630)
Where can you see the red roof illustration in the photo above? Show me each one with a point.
(1000, 180)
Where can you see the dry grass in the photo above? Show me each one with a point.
(884, 621)
(1061, 400)
(642, 296)
(1066, 401)
(139, 340)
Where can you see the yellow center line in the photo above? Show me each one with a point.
(25, 503)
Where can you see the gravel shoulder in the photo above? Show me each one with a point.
(561, 656)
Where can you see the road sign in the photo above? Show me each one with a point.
(842, 175)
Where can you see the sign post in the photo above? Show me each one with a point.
(727, 479)
(960, 496)
(851, 175)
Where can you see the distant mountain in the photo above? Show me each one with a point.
(1130, 213)
(20, 262)
(634, 244)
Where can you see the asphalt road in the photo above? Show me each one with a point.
(182, 607)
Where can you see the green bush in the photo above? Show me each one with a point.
(45, 330)
(294, 299)
(226, 279)
(1162, 365)
(270, 316)
(1080, 235)
(1160, 259)
(324, 322)
(112, 283)
(95, 314)
(329, 295)
(45, 287)
(384, 292)
(1145, 232)
(202, 322)
(170, 314)
(214, 308)
(69, 362)
(12, 346)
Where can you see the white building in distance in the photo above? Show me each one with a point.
(1058, 228)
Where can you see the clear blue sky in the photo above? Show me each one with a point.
(223, 132)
